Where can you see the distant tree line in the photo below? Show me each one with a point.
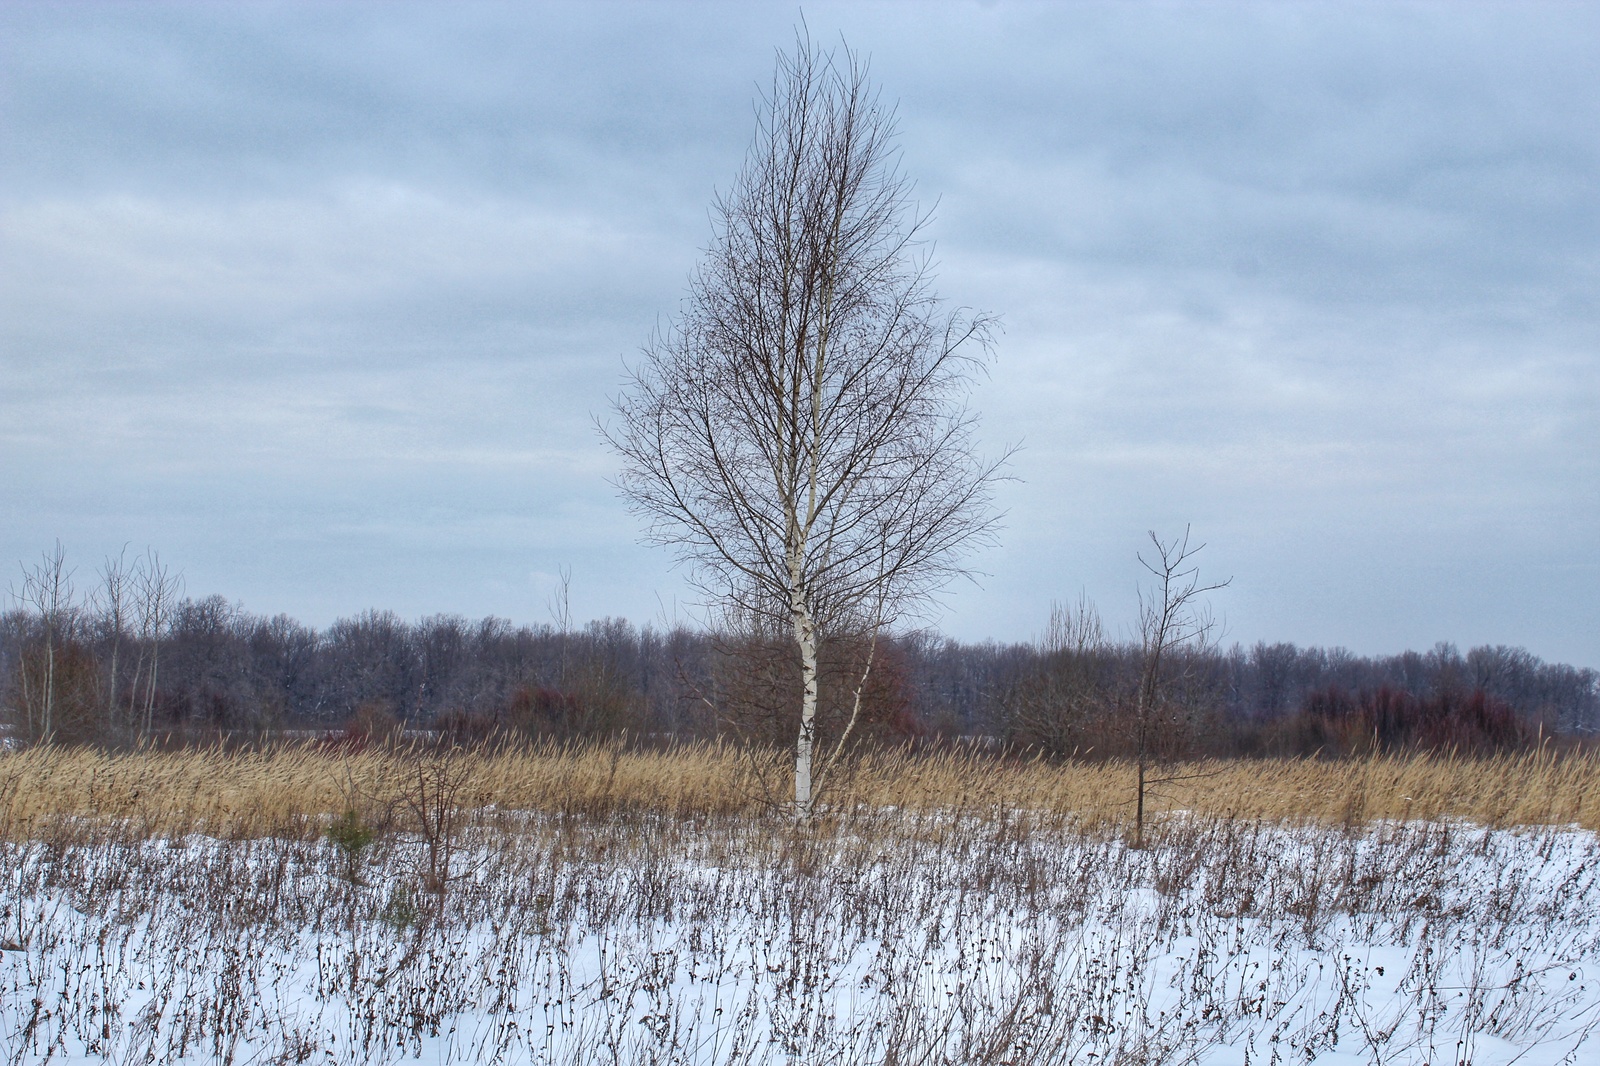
(1280, 699)
(132, 661)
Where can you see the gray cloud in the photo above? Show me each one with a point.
(320, 299)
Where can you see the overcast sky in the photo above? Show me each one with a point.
(321, 300)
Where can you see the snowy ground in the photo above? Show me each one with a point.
(889, 938)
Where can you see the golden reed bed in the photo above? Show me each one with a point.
(289, 790)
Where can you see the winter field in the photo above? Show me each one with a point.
(602, 905)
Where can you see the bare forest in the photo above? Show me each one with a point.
(122, 661)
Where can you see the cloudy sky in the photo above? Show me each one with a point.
(321, 300)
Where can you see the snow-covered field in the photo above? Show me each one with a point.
(886, 937)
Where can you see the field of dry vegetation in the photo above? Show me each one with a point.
(289, 791)
(601, 903)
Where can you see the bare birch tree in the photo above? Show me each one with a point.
(157, 590)
(800, 432)
(47, 589)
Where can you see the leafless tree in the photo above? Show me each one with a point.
(1068, 704)
(800, 432)
(114, 603)
(157, 589)
(47, 589)
(1074, 628)
(1173, 621)
(559, 605)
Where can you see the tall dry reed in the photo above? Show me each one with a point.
(290, 791)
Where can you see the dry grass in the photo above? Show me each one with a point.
(289, 791)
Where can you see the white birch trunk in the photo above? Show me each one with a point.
(805, 635)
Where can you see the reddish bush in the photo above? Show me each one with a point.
(531, 712)
(1335, 722)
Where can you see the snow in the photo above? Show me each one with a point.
(902, 938)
